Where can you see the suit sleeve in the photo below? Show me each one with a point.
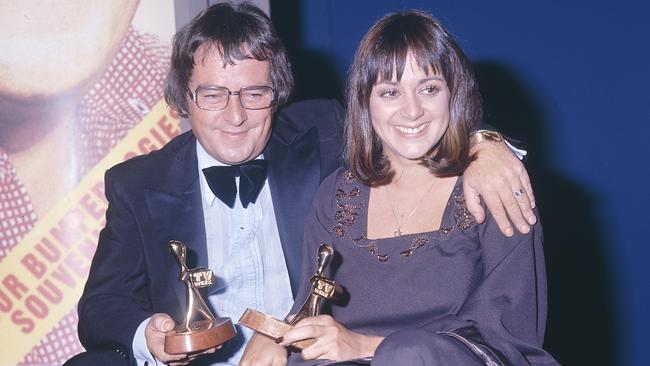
(516, 146)
(115, 300)
(327, 116)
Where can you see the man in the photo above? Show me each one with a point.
(229, 74)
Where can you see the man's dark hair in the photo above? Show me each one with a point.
(237, 32)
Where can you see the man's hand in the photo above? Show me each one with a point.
(333, 341)
(154, 333)
(263, 351)
(502, 181)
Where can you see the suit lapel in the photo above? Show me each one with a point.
(294, 176)
(177, 214)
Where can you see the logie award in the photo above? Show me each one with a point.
(322, 288)
(200, 330)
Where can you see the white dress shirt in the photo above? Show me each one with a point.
(245, 253)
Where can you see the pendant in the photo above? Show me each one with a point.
(398, 232)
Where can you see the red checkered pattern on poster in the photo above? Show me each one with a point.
(130, 86)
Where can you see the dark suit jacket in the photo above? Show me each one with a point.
(156, 197)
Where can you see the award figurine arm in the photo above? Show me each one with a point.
(200, 330)
(322, 288)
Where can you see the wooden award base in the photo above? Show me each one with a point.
(201, 337)
(270, 327)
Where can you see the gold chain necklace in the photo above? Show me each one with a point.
(398, 232)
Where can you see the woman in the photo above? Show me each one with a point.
(426, 284)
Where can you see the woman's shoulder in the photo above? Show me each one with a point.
(456, 215)
(339, 186)
(341, 178)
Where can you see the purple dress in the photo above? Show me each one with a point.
(464, 294)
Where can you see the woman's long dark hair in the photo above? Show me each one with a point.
(382, 54)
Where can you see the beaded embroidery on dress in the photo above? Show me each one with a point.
(351, 198)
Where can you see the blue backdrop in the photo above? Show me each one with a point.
(571, 79)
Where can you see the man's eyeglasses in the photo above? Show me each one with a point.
(215, 98)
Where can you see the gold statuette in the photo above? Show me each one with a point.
(200, 330)
(322, 288)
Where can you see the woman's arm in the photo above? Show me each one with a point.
(263, 351)
(504, 318)
(333, 341)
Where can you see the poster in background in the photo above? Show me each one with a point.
(81, 87)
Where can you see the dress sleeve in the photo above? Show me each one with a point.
(115, 301)
(503, 320)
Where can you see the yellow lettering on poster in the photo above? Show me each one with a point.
(43, 276)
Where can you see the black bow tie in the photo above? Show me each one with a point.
(221, 180)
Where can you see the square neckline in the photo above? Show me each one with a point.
(444, 223)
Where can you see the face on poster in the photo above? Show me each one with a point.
(53, 53)
(52, 47)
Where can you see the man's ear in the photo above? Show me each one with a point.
(177, 113)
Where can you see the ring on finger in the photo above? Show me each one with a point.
(518, 193)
